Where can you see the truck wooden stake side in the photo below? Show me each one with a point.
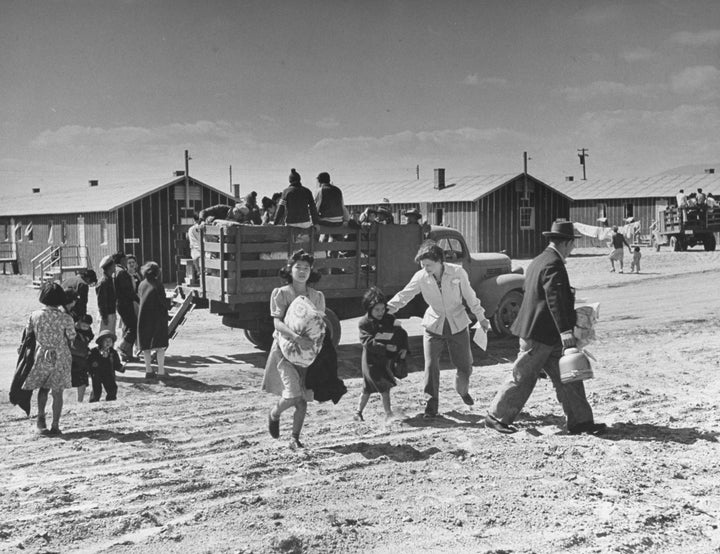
(240, 264)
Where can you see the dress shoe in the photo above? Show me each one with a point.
(591, 428)
(467, 399)
(497, 425)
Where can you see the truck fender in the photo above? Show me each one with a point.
(490, 291)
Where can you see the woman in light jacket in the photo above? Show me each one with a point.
(444, 287)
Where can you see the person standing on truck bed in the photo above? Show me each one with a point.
(545, 325)
(329, 201)
(446, 289)
(297, 205)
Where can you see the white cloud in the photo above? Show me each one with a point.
(701, 79)
(327, 123)
(636, 142)
(599, 89)
(702, 38)
(72, 136)
(638, 55)
(475, 81)
(424, 143)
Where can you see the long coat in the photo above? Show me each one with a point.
(152, 316)
(548, 307)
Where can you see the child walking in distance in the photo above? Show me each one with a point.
(635, 264)
(80, 350)
(103, 362)
(385, 347)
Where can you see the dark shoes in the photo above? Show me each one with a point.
(467, 399)
(591, 428)
(497, 425)
(273, 426)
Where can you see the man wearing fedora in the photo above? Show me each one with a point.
(545, 326)
(413, 216)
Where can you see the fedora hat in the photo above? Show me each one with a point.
(412, 211)
(563, 230)
(105, 333)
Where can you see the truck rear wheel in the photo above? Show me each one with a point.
(709, 243)
(506, 313)
(333, 326)
(261, 339)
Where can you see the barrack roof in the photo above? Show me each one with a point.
(105, 197)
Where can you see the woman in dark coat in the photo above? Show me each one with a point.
(152, 319)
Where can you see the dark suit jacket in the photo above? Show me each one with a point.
(548, 307)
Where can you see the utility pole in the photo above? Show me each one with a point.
(525, 183)
(417, 172)
(231, 188)
(187, 183)
(582, 154)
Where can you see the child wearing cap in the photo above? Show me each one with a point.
(80, 350)
(103, 362)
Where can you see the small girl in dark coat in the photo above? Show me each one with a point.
(80, 350)
(385, 347)
(103, 362)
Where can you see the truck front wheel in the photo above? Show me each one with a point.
(709, 243)
(506, 313)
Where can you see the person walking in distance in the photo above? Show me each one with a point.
(618, 241)
(105, 291)
(545, 326)
(126, 300)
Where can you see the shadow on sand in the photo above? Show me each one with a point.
(106, 434)
(177, 382)
(396, 452)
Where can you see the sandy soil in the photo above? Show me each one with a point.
(186, 465)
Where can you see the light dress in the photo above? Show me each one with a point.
(53, 330)
(281, 377)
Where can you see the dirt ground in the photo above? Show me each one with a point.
(186, 465)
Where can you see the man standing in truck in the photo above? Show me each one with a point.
(297, 205)
(545, 325)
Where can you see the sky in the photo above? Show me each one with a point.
(117, 90)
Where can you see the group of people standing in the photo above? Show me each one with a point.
(545, 326)
(56, 351)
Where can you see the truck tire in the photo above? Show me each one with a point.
(709, 243)
(261, 339)
(333, 326)
(676, 244)
(506, 313)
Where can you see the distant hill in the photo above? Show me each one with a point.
(692, 169)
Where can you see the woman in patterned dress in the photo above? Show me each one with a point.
(53, 330)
